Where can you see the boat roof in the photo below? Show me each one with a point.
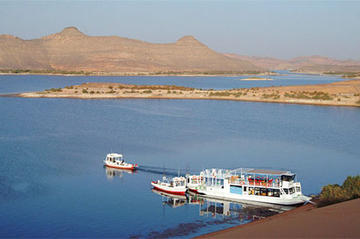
(269, 171)
(263, 171)
(178, 178)
(116, 155)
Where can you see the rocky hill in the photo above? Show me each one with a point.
(315, 64)
(72, 50)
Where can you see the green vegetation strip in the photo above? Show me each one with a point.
(334, 193)
(315, 95)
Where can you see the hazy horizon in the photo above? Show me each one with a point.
(279, 29)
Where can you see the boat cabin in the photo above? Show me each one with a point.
(177, 182)
(115, 158)
(257, 182)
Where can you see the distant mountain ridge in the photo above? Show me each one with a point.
(316, 64)
(72, 50)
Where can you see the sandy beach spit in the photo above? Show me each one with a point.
(256, 79)
(343, 93)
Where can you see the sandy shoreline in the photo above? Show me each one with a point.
(141, 74)
(339, 220)
(256, 79)
(344, 93)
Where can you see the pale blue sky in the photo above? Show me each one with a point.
(282, 29)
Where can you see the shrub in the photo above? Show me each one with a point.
(220, 93)
(334, 193)
(54, 90)
(147, 91)
(273, 96)
(315, 95)
(85, 91)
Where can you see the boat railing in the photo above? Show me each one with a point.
(264, 183)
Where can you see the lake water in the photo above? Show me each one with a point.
(53, 183)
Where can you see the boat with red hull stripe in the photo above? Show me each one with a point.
(115, 160)
(175, 185)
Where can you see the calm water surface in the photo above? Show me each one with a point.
(52, 181)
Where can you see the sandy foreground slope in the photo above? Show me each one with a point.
(344, 93)
(340, 220)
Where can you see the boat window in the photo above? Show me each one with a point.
(287, 178)
(286, 190)
(292, 190)
(298, 189)
(245, 188)
(276, 192)
(220, 182)
(263, 192)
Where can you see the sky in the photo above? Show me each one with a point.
(281, 29)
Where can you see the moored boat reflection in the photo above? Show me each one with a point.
(171, 200)
(111, 173)
(217, 207)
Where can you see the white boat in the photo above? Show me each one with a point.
(115, 160)
(193, 182)
(175, 185)
(257, 185)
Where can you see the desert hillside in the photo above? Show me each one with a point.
(308, 64)
(72, 50)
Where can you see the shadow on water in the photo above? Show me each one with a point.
(220, 212)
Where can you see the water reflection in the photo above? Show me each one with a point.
(111, 173)
(216, 207)
(172, 200)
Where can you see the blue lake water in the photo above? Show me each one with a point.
(53, 183)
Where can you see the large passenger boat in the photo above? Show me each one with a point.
(258, 185)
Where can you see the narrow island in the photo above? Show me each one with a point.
(342, 93)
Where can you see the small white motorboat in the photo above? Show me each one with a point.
(194, 182)
(115, 160)
(175, 185)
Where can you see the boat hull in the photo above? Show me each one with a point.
(127, 167)
(168, 189)
(251, 198)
